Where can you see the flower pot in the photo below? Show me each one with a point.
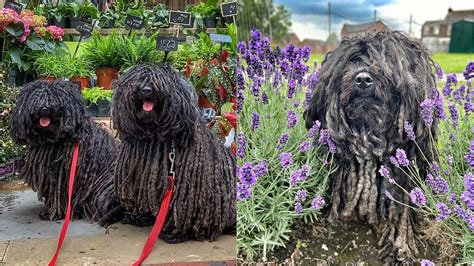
(103, 108)
(91, 108)
(203, 102)
(226, 20)
(105, 76)
(84, 81)
(63, 23)
(192, 23)
(47, 78)
(209, 22)
(12, 76)
(74, 22)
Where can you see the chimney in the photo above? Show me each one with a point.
(450, 10)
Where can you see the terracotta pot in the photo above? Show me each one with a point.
(48, 78)
(105, 76)
(83, 80)
(204, 102)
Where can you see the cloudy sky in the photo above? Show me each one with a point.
(310, 17)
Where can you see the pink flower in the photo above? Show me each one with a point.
(7, 16)
(57, 33)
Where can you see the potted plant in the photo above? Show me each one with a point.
(107, 19)
(48, 12)
(189, 8)
(63, 14)
(208, 12)
(103, 54)
(48, 67)
(78, 69)
(97, 101)
(159, 17)
(83, 12)
(142, 50)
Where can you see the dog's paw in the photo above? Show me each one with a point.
(173, 238)
(140, 220)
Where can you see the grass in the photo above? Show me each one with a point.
(451, 63)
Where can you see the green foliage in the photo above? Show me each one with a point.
(95, 94)
(265, 16)
(103, 51)
(8, 149)
(86, 10)
(209, 8)
(159, 17)
(62, 66)
(202, 48)
(140, 50)
(451, 62)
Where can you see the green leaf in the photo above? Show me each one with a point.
(36, 43)
(16, 58)
(15, 30)
(49, 46)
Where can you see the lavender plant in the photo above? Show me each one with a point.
(446, 194)
(283, 170)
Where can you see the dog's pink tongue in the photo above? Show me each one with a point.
(44, 121)
(148, 106)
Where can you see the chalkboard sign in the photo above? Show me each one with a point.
(15, 6)
(181, 18)
(9, 168)
(167, 44)
(220, 37)
(84, 28)
(134, 22)
(229, 9)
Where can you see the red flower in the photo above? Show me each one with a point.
(224, 56)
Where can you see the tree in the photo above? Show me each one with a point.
(273, 21)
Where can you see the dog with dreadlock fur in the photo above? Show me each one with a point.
(50, 118)
(154, 108)
(368, 87)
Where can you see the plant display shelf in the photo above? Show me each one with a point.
(122, 31)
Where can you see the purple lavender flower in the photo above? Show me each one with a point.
(318, 202)
(470, 155)
(426, 262)
(308, 97)
(402, 157)
(461, 213)
(282, 141)
(439, 72)
(417, 197)
(256, 86)
(286, 160)
(452, 79)
(241, 143)
(291, 88)
(276, 79)
(246, 174)
(427, 112)
(438, 184)
(241, 47)
(468, 107)
(305, 170)
(438, 104)
(304, 146)
(305, 53)
(255, 121)
(264, 97)
(394, 161)
(385, 172)
(457, 95)
(298, 207)
(388, 195)
(450, 160)
(313, 131)
(243, 192)
(324, 136)
(443, 211)
(447, 90)
(452, 198)
(409, 130)
(469, 72)
(295, 177)
(470, 221)
(296, 103)
(435, 167)
(301, 195)
(469, 182)
(260, 169)
(240, 100)
(454, 114)
(292, 119)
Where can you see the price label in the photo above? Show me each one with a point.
(134, 22)
(167, 44)
(15, 6)
(220, 38)
(84, 28)
(181, 18)
(229, 9)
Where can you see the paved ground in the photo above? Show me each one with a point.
(26, 240)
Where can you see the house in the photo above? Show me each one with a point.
(436, 34)
(349, 30)
(291, 38)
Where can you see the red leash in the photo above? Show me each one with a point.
(160, 218)
(67, 219)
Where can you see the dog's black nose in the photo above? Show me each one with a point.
(363, 80)
(146, 90)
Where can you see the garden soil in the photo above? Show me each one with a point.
(321, 244)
